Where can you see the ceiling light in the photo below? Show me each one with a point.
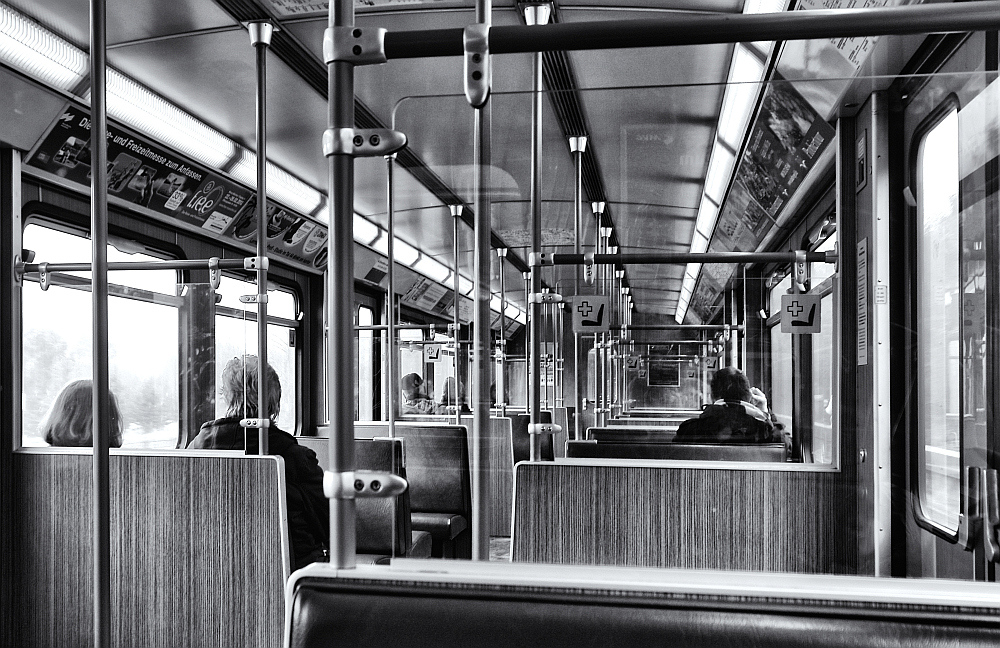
(140, 108)
(741, 93)
(30, 48)
(405, 253)
(720, 171)
(512, 311)
(432, 269)
(465, 286)
(281, 185)
(495, 303)
(365, 231)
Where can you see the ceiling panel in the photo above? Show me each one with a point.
(127, 20)
(213, 77)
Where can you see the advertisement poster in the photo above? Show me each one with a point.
(424, 294)
(785, 142)
(152, 177)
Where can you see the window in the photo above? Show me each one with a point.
(142, 340)
(236, 335)
(938, 324)
(780, 398)
(364, 406)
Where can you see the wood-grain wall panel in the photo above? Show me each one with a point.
(682, 517)
(197, 553)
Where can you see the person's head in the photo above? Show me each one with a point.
(731, 384)
(70, 419)
(239, 388)
(411, 384)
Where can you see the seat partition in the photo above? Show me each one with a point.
(639, 449)
(199, 551)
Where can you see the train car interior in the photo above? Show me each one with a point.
(499, 323)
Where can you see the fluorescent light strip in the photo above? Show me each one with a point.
(741, 92)
(281, 185)
(720, 172)
(365, 231)
(759, 7)
(133, 104)
(28, 47)
(708, 213)
(431, 268)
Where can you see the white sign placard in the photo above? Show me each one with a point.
(432, 353)
(591, 314)
(632, 362)
(800, 314)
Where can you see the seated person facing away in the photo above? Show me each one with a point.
(738, 415)
(70, 420)
(416, 401)
(308, 509)
(448, 400)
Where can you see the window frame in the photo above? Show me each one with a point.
(949, 104)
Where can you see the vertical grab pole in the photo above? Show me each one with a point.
(481, 314)
(340, 293)
(598, 208)
(260, 38)
(99, 299)
(577, 145)
(529, 315)
(390, 306)
(536, 15)
(501, 378)
(456, 213)
(557, 351)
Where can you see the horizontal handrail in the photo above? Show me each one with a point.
(674, 30)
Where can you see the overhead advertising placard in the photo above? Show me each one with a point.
(590, 314)
(800, 314)
(153, 178)
(424, 294)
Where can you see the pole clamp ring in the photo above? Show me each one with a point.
(544, 428)
(362, 142)
(257, 423)
(362, 484)
(588, 268)
(478, 75)
(214, 274)
(253, 299)
(354, 45)
(537, 259)
(801, 275)
(251, 263)
(44, 277)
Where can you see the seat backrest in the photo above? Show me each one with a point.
(521, 440)
(632, 434)
(199, 531)
(437, 468)
(757, 452)
(383, 524)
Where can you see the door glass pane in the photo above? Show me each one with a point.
(939, 323)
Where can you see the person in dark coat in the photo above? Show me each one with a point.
(308, 509)
(738, 415)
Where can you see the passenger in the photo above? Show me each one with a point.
(448, 395)
(70, 420)
(738, 415)
(308, 509)
(416, 401)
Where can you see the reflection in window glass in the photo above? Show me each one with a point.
(822, 385)
(236, 336)
(142, 343)
(938, 323)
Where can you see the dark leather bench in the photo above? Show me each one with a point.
(384, 528)
(469, 609)
(766, 452)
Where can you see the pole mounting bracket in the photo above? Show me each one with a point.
(478, 75)
(362, 484)
(362, 142)
(354, 45)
